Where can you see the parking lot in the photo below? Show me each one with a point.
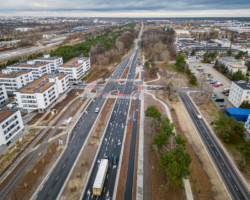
(216, 76)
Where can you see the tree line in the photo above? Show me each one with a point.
(170, 148)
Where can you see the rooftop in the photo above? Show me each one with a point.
(243, 84)
(34, 65)
(72, 63)
(38, 86)
(238, 111)
(5, 113)
(12, 74)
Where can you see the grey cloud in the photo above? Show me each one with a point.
(119, 5)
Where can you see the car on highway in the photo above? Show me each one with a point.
(114, 160)
(97, 110)
(198, 116)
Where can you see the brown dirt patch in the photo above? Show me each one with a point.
(200, 180)
(59, 131)
(44, 136)
(125, 73)
(77, 107)
(11, 154)
(65, 112)
(85, 106)
(125, 157)
(137, 76)
(93, 91)
(83, 165)
(72, 94)
(13, 172)
(32, 176)
(35, 118)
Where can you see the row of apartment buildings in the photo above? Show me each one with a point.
(36, 85)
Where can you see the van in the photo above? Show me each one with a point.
(198, 116)
(96, 110)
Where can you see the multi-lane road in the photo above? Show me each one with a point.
(233, 183)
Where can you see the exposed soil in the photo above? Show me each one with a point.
(65, 112)
(82, 168)
(199, 178)
(137, 76)
(30, 178)
(60, 105)
(153, 179)
(101, 82)
(10, 155)
(13, 172)
(125, 73)
(59, 131)
(44, 136)
(125, 157)
(204, 178)
(77, 107)
(35, 118)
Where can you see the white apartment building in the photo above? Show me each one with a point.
(38, 69)
(11, 125)
(3, 94)
(41, 93)
(234, 65)
(54, 62)
(76, 68)
(15, 80)
(239, 92)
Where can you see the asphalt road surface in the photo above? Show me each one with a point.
(233, 183)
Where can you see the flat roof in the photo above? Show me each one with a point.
(243, 84)
(49, 58)
(101, 173)
(238, 111)
(72, 63)
(41, 85)
(13, 74)
(34, 65)
(5, 113)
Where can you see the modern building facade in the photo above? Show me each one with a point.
(76, 68)
(41, 93)
(3, 94)
(15, 80)
(54, 61)
(239, 92)
(38, 69)
(11, 125)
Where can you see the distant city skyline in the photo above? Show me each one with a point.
(129, 8)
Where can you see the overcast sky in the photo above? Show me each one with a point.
(127, 8)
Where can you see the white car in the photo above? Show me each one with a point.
(198, 116)
(96, 110)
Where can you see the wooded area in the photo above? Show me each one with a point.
(158, 44)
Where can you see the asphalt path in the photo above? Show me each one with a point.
(58, 176)
(131, 164)
(111, 146)
(233, 183)
(12, 182)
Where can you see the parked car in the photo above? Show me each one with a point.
(216, 85)
(213, 95)
(226, 94)
(222, 105)
(96, 110)
(209, 79)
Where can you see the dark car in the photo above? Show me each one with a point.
(115, 160)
